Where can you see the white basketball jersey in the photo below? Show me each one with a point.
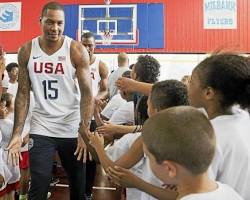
(95, 76)
(53, 80)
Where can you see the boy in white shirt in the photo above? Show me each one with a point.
(181, 154)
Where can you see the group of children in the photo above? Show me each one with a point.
(15, 178)
(182, 152)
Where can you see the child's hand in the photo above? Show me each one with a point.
(122, 177)
(107, 128)
(96, 140)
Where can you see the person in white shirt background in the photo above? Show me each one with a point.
(12, 69)
(122, 67)
(221, 85)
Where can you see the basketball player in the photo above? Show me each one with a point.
(99, 79)
(52, 63)
(98, 69)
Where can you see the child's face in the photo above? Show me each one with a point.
(14, 73)
(159, 170)
(195, 91)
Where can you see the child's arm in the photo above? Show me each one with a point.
(125, 178)
(130, 85)
(116, 129)
(129, 158)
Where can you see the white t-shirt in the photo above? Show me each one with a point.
(6, 127)
(141, 169)
(231, 164)
(114, 103)
(95, 76)
(119, 148)
(124, 114)
(4, 170)
(223, 192)
(12, 89)
(5, 81)
(149, 177)
(57, 96)
(113, 77)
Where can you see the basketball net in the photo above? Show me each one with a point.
(107, 37)
(107, 34)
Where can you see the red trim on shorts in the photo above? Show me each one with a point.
(12, 187)
(3, 192)
(9, 188)
(24, 163)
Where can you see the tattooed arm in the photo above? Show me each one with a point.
(21, 104)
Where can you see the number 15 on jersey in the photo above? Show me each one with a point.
(50, 90)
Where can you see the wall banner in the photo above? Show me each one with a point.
(10, 16)
(220, 14)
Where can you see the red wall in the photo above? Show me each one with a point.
(184, 31)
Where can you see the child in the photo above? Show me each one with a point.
(180, 144)
(218, 84)
(12, 172)
(12, 69)
(24, 163)
(129, 149)
(9, 104)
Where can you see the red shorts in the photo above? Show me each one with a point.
(24, 163)
(10, 187)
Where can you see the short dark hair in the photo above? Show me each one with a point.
(52, 6)
(126, 74)
(87, 35)
(183, 135)
(11, 65)
(147, 69)
(131, 66)
(168, 93)
(141, 114)
(230, 75)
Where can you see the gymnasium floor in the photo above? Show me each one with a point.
(60, 191)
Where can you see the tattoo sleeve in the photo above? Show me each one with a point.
(23, 93)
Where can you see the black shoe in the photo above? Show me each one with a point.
(88, 197)
(54, 181)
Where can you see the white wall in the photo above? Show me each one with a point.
(173, 66)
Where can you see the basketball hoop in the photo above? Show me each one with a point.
(107, 33)
(107, 2)
(107, 37)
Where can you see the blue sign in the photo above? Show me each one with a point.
(10, 16)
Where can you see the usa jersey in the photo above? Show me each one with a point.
(57, 109)
(95, 76)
